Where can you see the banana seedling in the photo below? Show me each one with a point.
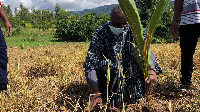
(130, 10)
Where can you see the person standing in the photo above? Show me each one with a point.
(3, 50)
(189, 32)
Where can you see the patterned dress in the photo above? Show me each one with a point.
(114, 47)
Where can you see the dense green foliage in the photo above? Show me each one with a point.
(42, 19)
(75, 28)
(72, 26)
(146, 9)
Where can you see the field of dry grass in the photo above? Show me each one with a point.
(51, 78)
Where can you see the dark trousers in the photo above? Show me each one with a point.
(189, 35)
(3, 63)
(102, 80)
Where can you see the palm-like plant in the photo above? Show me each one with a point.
(130, 10)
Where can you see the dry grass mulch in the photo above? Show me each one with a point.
(51, 78)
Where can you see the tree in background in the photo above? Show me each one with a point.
(80, 28)
(57, 9)
(62, 14)
(91, 22)
(16, 10)
(146, 9)
(46, 15)
(8, 11)
(24, 14)
(24, 18)
(51, 16)
(76, 28)
(33, 16)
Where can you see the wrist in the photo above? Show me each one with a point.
(7, 21)
(95, 90)
(153, 69)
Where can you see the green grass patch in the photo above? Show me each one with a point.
(18, 41)
(24, 37)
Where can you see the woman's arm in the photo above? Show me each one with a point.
(6, 21)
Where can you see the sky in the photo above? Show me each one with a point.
(71, 5)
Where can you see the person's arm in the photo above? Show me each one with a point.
(6, 21)
(178, 7)
(90, 74)
(92, 60)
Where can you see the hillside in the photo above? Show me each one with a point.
(106, 9)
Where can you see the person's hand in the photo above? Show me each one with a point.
(95, 100)
(174, 29)
(8, 28)
(152, 81)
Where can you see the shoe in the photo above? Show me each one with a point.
(183, 87)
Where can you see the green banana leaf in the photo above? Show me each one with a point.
(154, 20)
(130, 10)
(150, 31)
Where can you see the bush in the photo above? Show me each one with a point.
(146, 9)
(79, 29)
(163, 31)
(69, 30)
(28, 25)
(44, 25)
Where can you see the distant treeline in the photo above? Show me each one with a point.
(76, 27)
